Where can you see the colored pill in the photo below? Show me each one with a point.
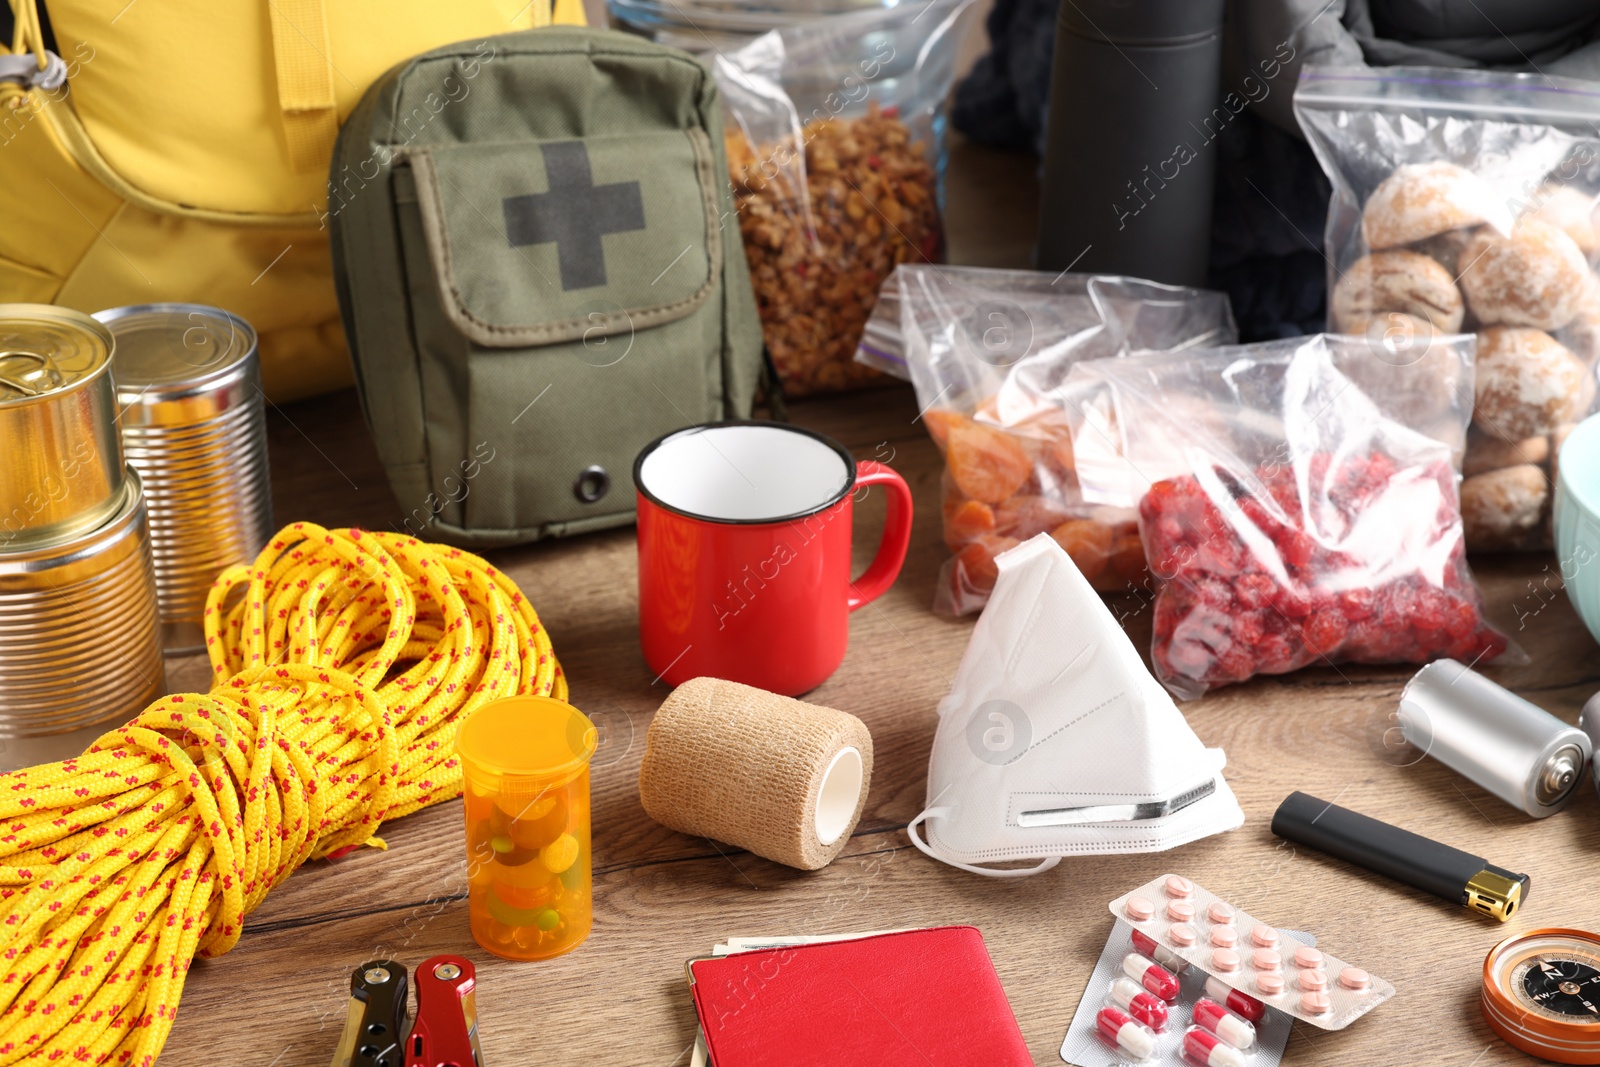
(1306, 956)
(1315, 1003)
(1269, 984)
(1225, 960)
(1129, 1036)
(1182, 934)
(1165, 956)
(1220, 913)
(1354, 978)
(559, 854)
(1160, 981)
(1224, 936)
(1235, 1001)
(1208, 1050)
(1224, 1023)
(1314, 981)
(548, 919)
(1145, 1007)
(1180, 911)
(1264, 937)
(1266, 959)
(1178, 886)
(1140, 909)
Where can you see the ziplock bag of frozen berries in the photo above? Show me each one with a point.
(1466, 200)
(989, 352)
(835, 142)
(1288, 517)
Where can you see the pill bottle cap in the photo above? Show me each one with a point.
(525, 737)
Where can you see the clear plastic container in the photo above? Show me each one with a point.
(525, 765)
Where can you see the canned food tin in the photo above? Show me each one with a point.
(60, 460)
(80, 640)
(188, 386)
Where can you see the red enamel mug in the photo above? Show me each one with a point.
(744, 552)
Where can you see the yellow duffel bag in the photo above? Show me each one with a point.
(178, 150)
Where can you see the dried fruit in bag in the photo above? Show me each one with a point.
(818, 252)
(1333, 559)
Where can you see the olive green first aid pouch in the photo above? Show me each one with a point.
(539, 273)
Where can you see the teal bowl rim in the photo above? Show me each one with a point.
(1580, 438)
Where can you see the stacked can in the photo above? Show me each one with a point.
(188, 387)
(79, 633)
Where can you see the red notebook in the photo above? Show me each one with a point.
(920, 997)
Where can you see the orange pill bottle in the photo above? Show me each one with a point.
(525, 769)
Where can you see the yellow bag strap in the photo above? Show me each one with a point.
(305, 81)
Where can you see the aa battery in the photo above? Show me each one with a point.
(1516, 750)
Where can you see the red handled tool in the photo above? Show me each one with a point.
(379, 1033)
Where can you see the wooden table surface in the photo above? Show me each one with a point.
(278, 999)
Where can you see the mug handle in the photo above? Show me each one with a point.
(885, 566)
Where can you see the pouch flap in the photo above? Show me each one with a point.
(535, 243)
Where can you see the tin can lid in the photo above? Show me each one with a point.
(165, 347)
(46, 350)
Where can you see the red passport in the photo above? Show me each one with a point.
(919, 997)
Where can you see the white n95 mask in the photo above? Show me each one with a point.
(1055, 740)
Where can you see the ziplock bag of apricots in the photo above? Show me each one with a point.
(989, 352)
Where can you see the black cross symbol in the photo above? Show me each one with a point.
(575, 214)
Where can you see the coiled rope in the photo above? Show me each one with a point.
(343, 660)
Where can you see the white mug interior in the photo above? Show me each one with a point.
(744, 473)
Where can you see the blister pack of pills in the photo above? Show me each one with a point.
(1120, 1019)
(1181, 921)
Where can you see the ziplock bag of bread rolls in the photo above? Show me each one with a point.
(1291, 519)
(989, 352)
(1465, 200)
(1055, 741)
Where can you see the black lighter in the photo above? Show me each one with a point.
(1447, 873)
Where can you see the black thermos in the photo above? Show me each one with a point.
(1135, 100)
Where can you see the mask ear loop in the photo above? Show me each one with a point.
(988, 872)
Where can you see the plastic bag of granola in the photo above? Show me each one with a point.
(834, 134)
(989, 352)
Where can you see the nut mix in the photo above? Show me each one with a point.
(872, 199)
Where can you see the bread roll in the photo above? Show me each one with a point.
(1527, 384)
(1420, 200)
(1534, 277)
(1582, 334)
(1501, 508)
(1486, 454)
(1567, 209)
(1407, 282)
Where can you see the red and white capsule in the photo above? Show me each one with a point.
(1208, 1050)
(1134, 1039)
(1235, 1001)
(1144, 1007)
(1160, 981)
(1147, 946)
(1224, 1023)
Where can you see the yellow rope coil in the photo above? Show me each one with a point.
(343, 660)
